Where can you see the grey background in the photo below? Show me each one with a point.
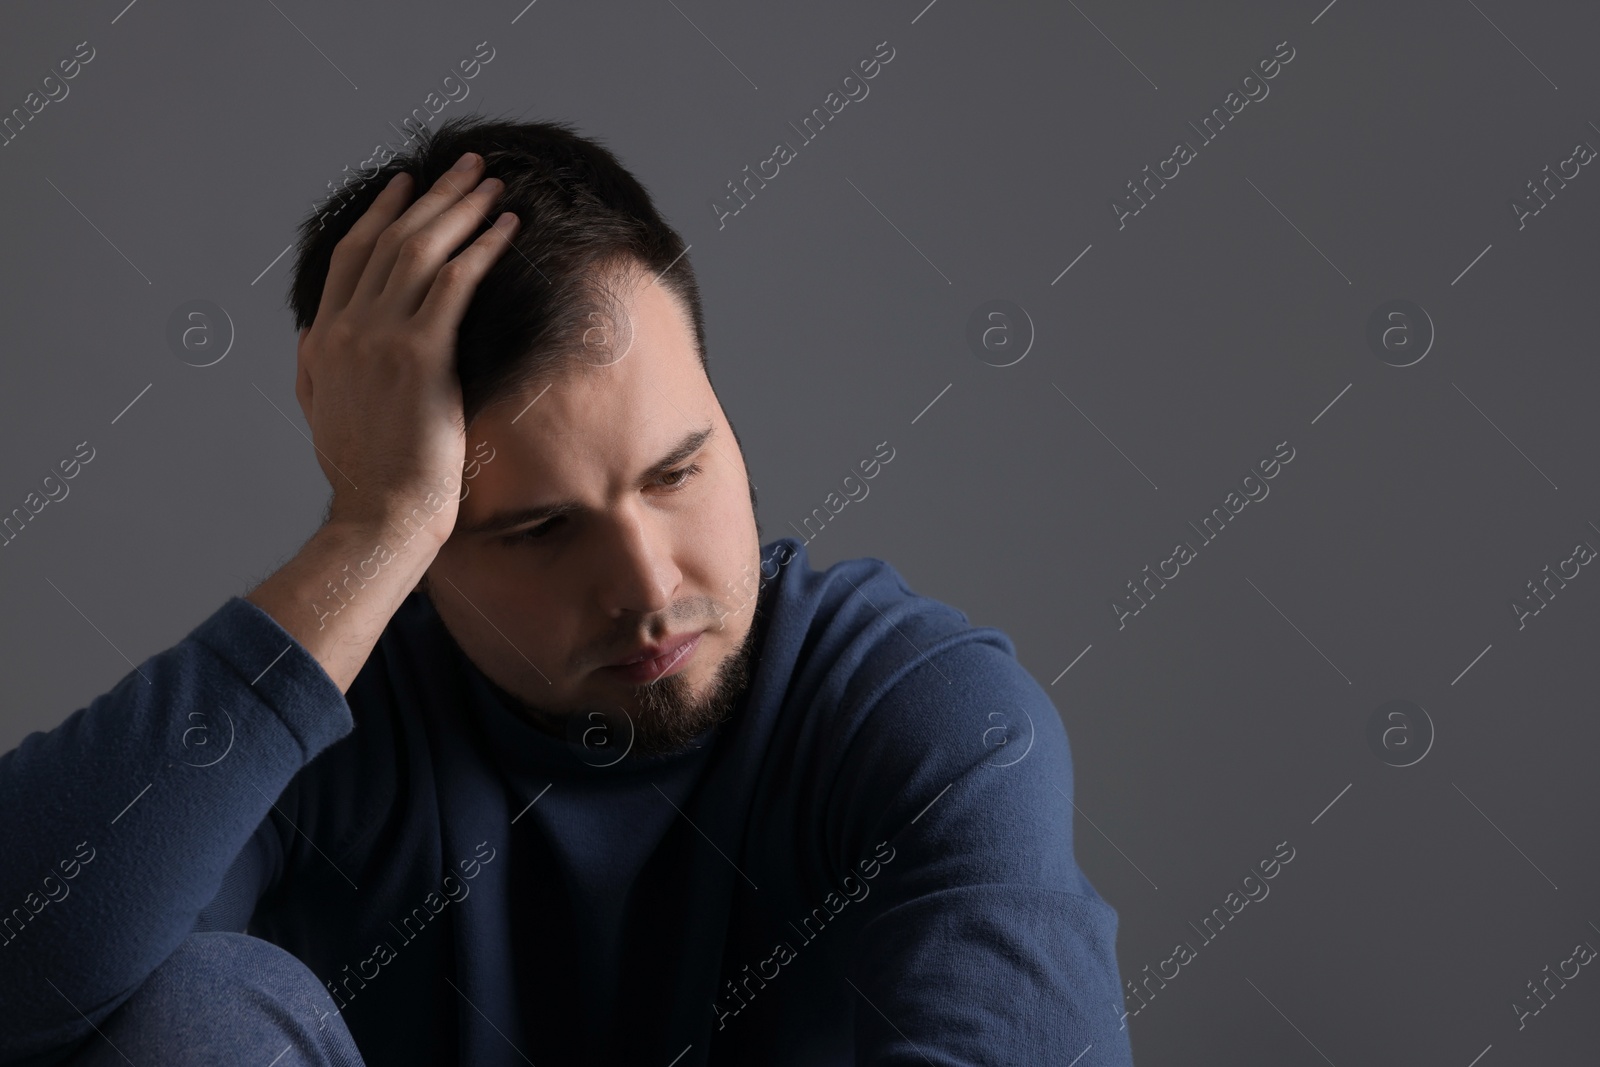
(1231, 713)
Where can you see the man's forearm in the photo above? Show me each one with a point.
(340, 590)
(128, 815)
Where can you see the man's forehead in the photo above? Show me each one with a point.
(635, 353)
(650, 399)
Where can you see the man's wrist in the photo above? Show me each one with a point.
(341, 589)
(427, 519)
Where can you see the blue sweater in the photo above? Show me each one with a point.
(871, 862)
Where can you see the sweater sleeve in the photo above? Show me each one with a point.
(124, 820)
(983, 942)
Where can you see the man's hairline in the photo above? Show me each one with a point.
(567, 361)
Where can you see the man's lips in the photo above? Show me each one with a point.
(657, 661)
(671, 644)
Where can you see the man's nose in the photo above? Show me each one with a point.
(637, 570)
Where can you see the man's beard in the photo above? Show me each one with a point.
(668, 717)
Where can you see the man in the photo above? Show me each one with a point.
(534, 753)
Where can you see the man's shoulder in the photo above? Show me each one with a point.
(922, 718)
(866, 644)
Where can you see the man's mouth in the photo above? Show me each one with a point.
(658, 660)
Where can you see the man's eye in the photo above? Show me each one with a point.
(684, 476)
(533, 533)
(680, 478)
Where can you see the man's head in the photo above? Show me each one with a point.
(606, 503)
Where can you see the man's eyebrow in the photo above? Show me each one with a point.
(503, 521)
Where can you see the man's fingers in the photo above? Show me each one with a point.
(426, 250)
(350, 255)
(457, 280)
(448, 190)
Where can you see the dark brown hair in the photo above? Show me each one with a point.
(587, 230)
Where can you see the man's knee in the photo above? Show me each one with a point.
(222, 998)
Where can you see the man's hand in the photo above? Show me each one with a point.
(378, 384)
(377, 379)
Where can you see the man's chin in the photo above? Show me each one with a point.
(624, 719)
(668, 716)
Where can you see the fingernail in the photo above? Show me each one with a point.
(466, 162)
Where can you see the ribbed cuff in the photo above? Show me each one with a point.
(280, 671)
